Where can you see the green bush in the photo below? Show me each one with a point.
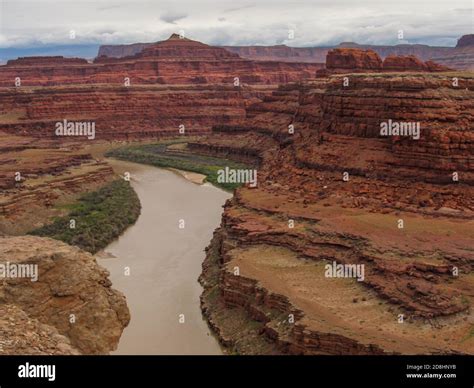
(100, 216)
(157, 155)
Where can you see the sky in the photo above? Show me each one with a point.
(49, 25)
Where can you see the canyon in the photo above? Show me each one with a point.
(408, 271)
(330, 189)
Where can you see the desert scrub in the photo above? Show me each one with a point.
(159, 156)
(99, 217)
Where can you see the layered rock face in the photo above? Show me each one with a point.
(173, 61)
(334, 191)
(180, 47)
(46, 61)
(463, 55)
(465, 41)
(459, 57)
(121, 50)
(42, 168)
(121, 113)
(353, 59)
(38, 175)
(422, 51)
(281, 53)
(440, 107)
(356, 60)
(411, 63)
(70, 308)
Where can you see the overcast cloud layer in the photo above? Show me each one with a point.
(237, 22)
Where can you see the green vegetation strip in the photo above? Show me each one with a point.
(99, 217)
(159, 155)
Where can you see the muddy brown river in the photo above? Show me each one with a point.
(164, 262)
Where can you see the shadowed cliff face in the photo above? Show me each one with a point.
(466, 41)
(71, 301)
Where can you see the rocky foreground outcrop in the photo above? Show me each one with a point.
(24, 335)
(70, 309)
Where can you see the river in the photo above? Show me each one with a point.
(164, 263)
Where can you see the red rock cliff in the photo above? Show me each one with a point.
(360, 61)
(174, 61)
(353, 59)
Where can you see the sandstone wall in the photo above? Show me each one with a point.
(72, 296)
(300, 175)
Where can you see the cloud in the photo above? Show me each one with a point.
(109, 7)
(172, 17)
(25, 23)
(239, 8)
